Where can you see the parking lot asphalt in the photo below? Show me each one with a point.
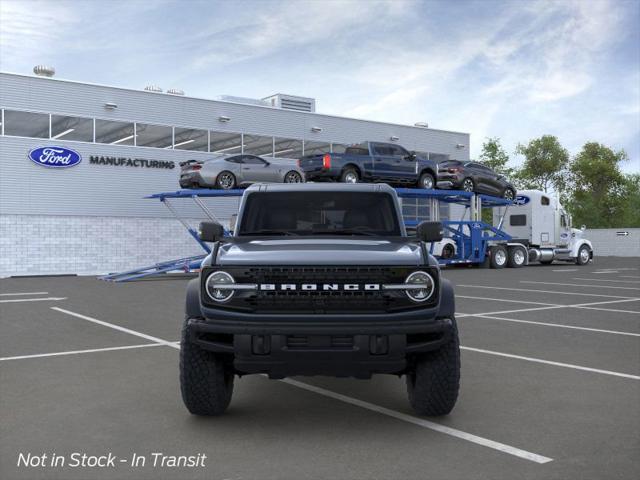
(550, 387)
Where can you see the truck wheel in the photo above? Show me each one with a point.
(426, 181)
(498, 256)
(509, 194)
(349, 175)
(468, 185)
(293, 177)
(434, 382)
(517, 257)
(226, 180)
(448, 251)
(205, 381)
(584, 255)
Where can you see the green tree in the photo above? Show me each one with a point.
(495, 157)
(545, 164)
(630, 216)
(599, 195)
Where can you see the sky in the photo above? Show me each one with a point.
(509, 69)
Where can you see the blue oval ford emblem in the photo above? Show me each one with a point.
(521, 200)
(55, 157)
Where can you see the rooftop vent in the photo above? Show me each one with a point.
(175, 91)
(44, 71)
(153, 88)
(245, 100)
(421, 124)
(291, 102)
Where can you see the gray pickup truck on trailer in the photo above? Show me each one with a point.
(320, 279)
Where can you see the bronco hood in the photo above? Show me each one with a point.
(320, 251)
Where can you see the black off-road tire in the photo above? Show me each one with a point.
(206, 382)
(434, 382)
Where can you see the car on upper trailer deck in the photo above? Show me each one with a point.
(474, 177)
(372, 162)
(233, 171)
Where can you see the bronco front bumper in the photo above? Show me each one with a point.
(319, 348)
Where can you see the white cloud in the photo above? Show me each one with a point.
(30, 29)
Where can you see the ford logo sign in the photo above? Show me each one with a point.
(521, 200)
(55, 157)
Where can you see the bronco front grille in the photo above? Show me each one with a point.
(319, 301)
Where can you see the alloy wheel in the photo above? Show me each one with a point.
(293, 177)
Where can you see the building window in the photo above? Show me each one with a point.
(258, 145)
(71, 128)
(191, 139)
(26, 124)
(157, 136)
(316, 148)
(114, 133)
(225, 143)
(287, 148)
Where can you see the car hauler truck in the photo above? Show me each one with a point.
(540, 224)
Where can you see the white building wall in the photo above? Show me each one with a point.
(612, 242)
(54, 245)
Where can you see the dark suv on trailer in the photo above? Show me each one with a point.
(320, 279)
(474, 177)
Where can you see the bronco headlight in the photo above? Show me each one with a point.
(425, 286)
(217, 286)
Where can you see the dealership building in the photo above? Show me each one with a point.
(92, 217)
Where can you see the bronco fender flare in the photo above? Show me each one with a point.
(192, 307)
(447, 300)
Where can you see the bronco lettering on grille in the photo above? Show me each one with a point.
(326, 287)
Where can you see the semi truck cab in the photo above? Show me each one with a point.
(539, 222)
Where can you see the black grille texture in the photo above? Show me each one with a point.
(320, 301)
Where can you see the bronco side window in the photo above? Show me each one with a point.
(544, 201)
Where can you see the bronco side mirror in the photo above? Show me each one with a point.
(210, 231)
(430, 231)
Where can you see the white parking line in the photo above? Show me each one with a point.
(506, 300)
(558, 325)
(76, 352)
(485, 442)
(528, 290)
(588, 306)
(556, 364)
(47, 299)
(629, 276)
(117, 327)
(23, 293)
(353, 401)
(633, 312)
(607, 280)
(581, 285)
(566, 270)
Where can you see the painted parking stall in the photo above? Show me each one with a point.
(532, 385)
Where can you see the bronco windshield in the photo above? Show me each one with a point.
(319, 213)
